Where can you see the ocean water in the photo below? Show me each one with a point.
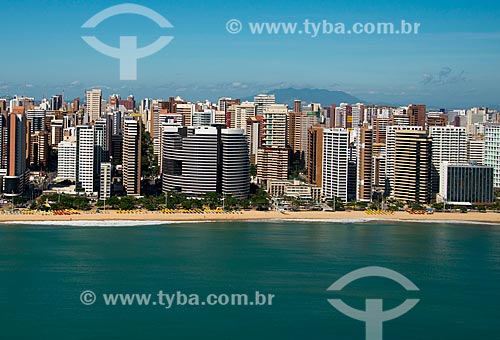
(44, 269)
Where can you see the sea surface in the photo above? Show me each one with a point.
(44, 268)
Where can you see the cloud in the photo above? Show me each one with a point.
(445, 76)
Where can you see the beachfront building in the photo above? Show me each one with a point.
(449, 144)
(335, 163)
(294, 190)
(105, 181)
(492, 151)
(391, 150)
(131, 160)
(66, 160)
(205, 159)
(412, 166)
(85, 159)
(466, 184)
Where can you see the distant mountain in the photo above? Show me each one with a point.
(324, 97)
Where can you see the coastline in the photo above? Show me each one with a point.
(488, 217)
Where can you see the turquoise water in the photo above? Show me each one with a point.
(44, 268)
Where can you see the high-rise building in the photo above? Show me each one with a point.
(66, 160)
(299, 124)
(203, 118)
(391, 150)
(105, 181)
(275, 133)
(132, 156)
(364, 164)
(449, 144)
(412, 166)
(36, 120)
(85, 159)
(101, 151)
(186, 110)
(56, 131)
(315, 155)
(39, 150)
(466, 184)
(335, 163)
(17, 174)
(242, 113)
(475, 150)
(205, 159)
(254, 135)
(417, 114)
(492, 151)
(272, 163)
(56, 102)
(93, 104)
(263, 100)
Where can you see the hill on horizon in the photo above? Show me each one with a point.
(322, 96)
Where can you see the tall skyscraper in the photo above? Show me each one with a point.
(93, 104)
(335, 163)
(186, 110)
(132, 156)
(254, 135)
(101, 151)
(475, 150)
(205, 159)
(275, 131)
(17, 175)
(416, 114)
(391, 149)
(263, 100)
(66, 160)
(364, 164)
(39, 150)
(242, 113)
(449, 144)
(85, 158)
(492, 151)
(315, 155)
(105, 181)
(412, 166)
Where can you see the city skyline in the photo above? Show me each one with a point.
(448, 64)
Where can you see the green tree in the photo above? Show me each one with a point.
(212, 199)
(127, 203)
(113, 202)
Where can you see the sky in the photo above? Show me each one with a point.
(453, 62)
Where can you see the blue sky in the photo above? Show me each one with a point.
(453, 62)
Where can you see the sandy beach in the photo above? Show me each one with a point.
(490, 217)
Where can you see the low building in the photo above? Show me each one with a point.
(294, 189)
(466, 184)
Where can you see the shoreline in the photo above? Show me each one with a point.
(488, 217)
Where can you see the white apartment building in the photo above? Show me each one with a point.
(492, 151)
(85, 158)
(66, 160)
(105, 181)
(275, 126)
(335, 163)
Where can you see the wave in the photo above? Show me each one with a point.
(369, 220)
(104, 224)
(145, 223)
